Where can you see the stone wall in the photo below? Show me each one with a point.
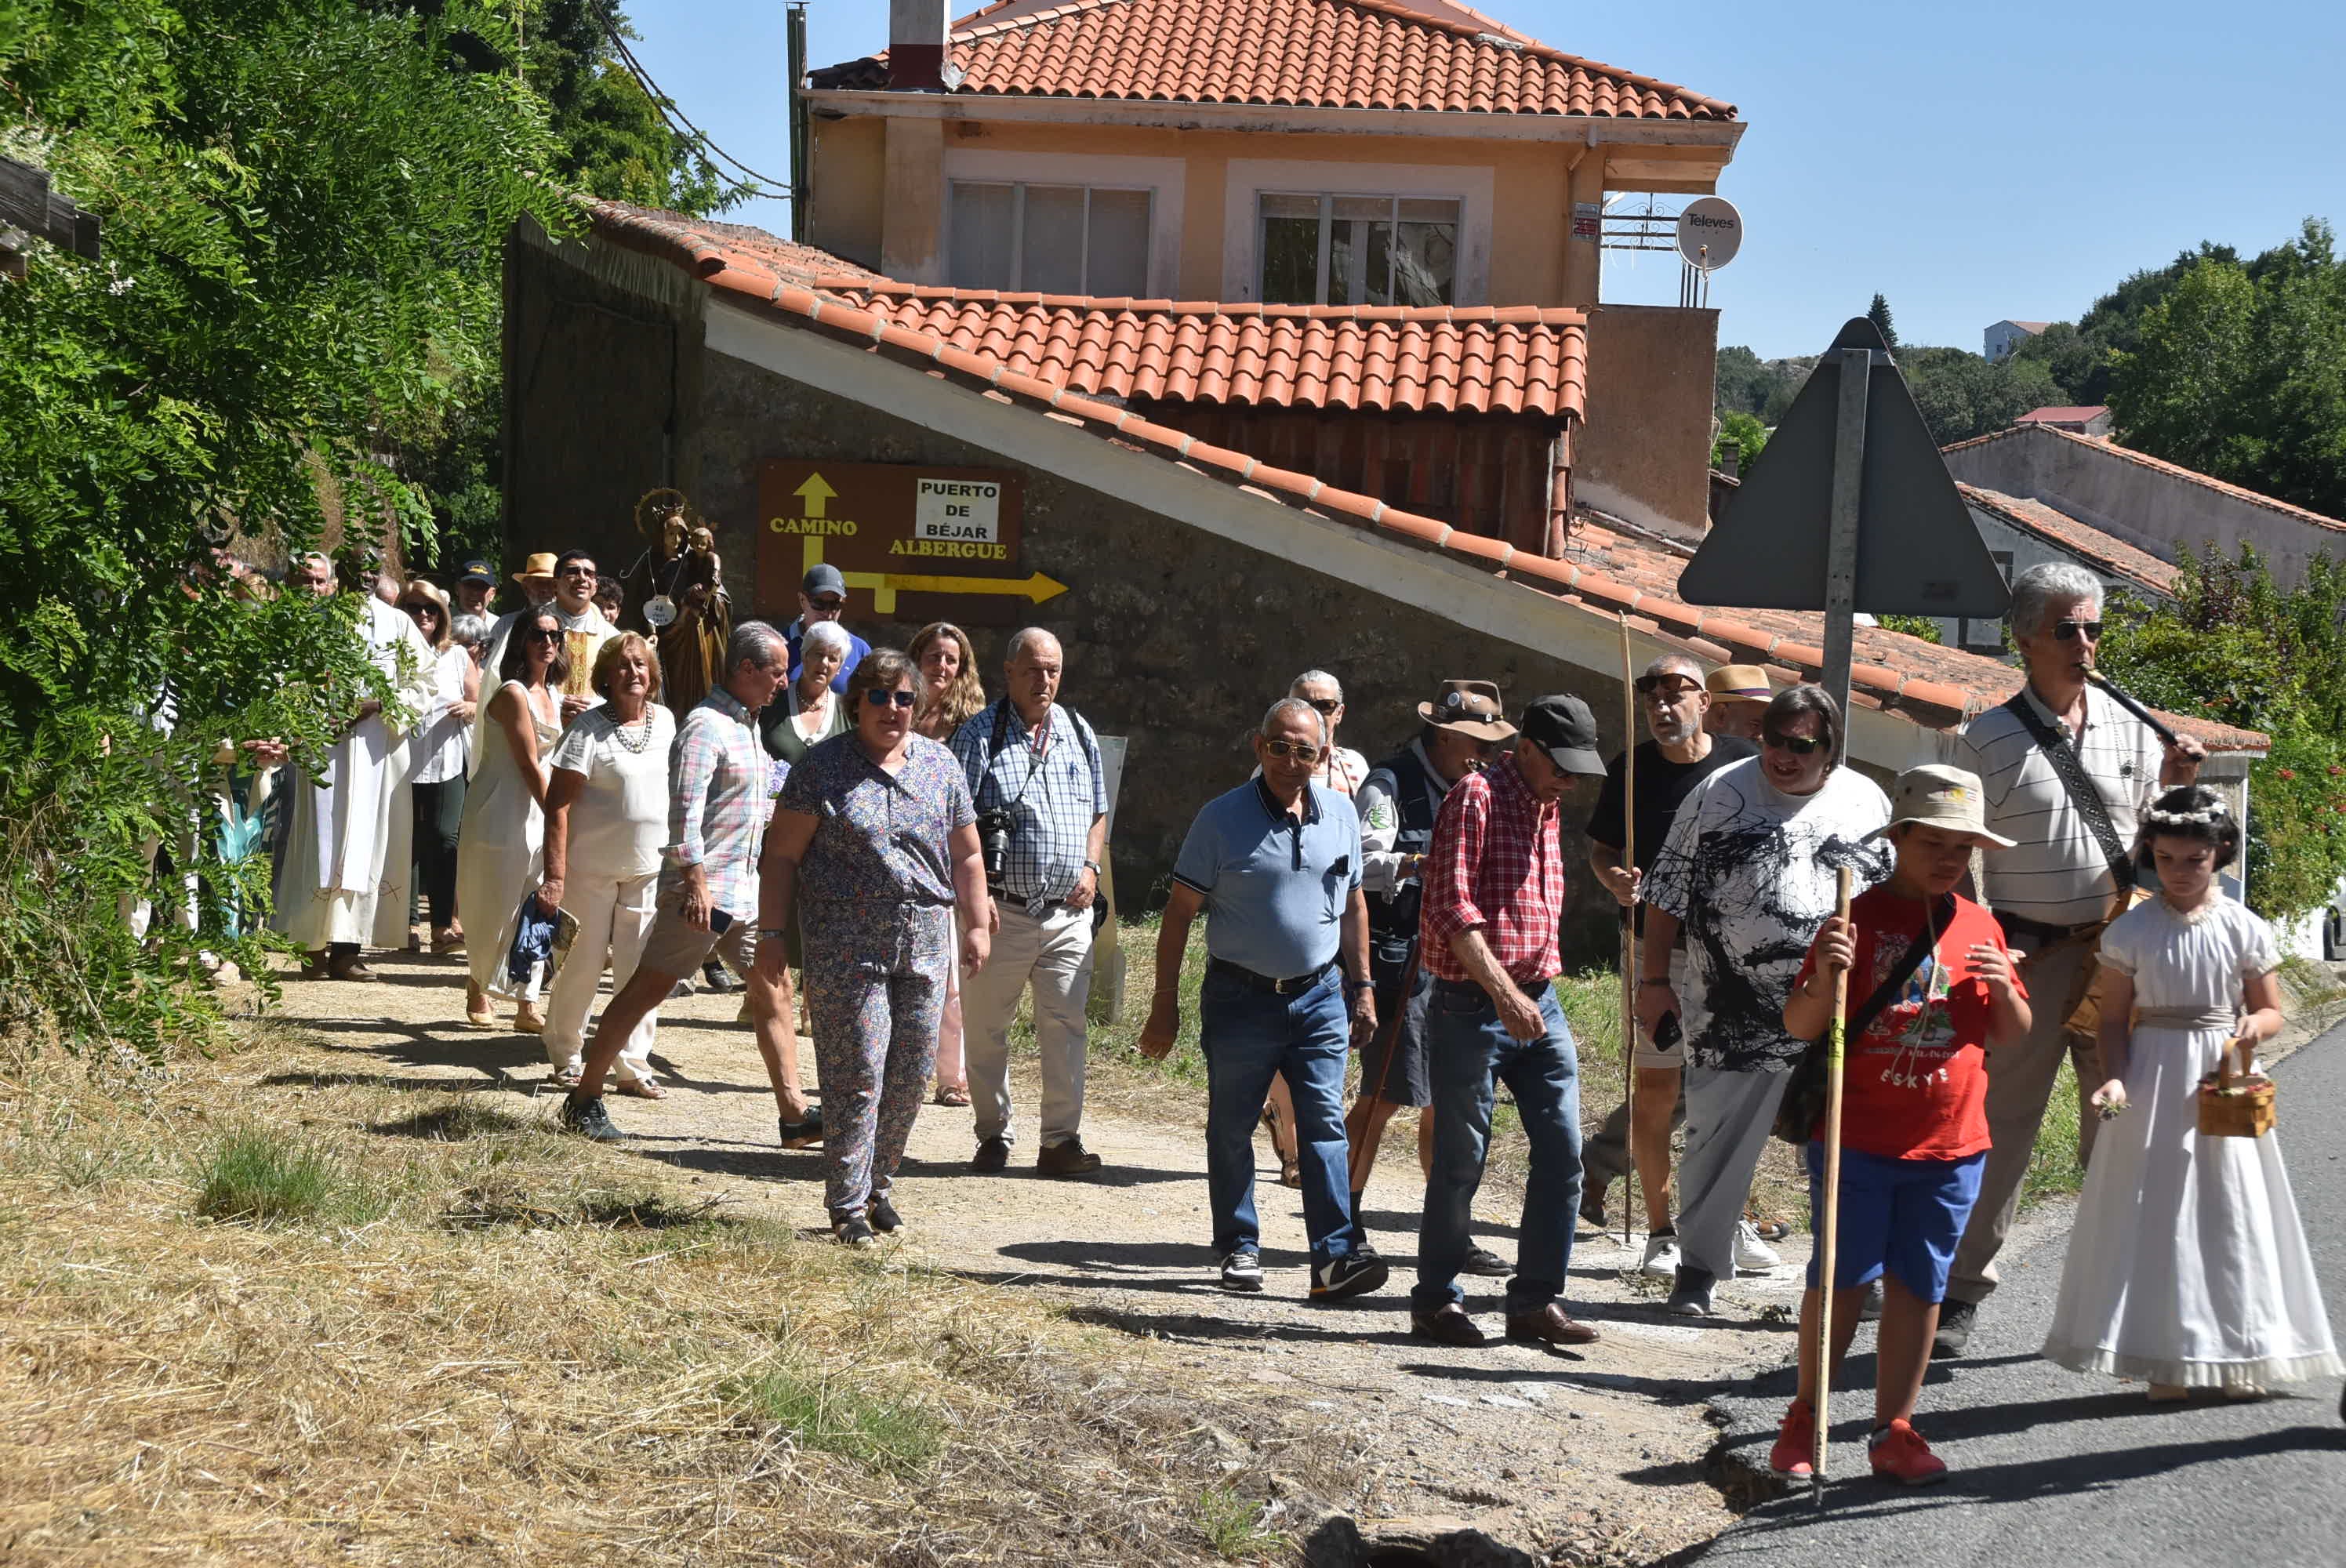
(1174, 639)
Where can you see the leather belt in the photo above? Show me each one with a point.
(1534, 992)
(1288, 987)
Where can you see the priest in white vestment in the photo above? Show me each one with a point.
(338, 832)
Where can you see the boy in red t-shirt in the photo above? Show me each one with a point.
(1913, 1095)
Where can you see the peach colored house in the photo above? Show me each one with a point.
(1341, 156)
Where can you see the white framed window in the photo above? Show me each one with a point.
(1324, 247)
(1049, 239)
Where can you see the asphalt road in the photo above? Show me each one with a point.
(2048, 1466)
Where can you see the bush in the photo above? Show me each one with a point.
(260, 1177)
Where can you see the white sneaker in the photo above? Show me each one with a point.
(1661, 1256)
(1750, 1252)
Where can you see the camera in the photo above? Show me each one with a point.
(993, 830)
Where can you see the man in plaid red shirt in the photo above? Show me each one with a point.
(1494, 893)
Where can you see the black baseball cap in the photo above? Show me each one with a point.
(1562, 727)
(477, 572)
(823, 579)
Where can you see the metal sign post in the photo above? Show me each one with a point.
(1841, 539)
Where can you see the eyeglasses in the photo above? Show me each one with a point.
(1298, 749)
(2069, 631)
(1325, 707)
(1798, 745)
(879, 698)
(543, 634)
(1668, 687)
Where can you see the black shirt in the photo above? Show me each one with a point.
(1662, 784)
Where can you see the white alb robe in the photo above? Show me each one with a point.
(338, 841)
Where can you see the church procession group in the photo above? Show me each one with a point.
(861, 837)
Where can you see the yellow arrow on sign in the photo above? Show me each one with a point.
(885, 585)
(817, 495)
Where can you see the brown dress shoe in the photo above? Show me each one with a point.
(1449, 1325)
(1066, 1160)
(350, 968)
(1551, 1324)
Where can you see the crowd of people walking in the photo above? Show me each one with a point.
(924, 860)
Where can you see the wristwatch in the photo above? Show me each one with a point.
(1093, 867)
(1360, 985)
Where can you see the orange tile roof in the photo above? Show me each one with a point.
(1605, 572)
(1315, 54)
(2063, 413)
(2157, 465)
(1516, 360)
(2054, 527)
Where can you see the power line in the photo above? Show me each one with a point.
(668, 110)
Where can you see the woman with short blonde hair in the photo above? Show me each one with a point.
(605, 822)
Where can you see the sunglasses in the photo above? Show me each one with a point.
(1798, 745)
(576, 571)
(829, 606)
(1668, 687)
(1325, 707)
(543, 634)
(1297, 750)
(421, 609)
(2069, 631)
(879, 698)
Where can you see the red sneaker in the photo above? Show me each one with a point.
(1899, 1453)
(1796, 1442)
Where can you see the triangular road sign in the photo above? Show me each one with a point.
(1919, 552)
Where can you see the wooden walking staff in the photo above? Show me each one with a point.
(1829, 1222)
(1629, 926)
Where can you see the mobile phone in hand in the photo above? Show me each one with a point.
(718, 919)
(1667, 1033)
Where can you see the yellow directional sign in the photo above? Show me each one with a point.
(817, 495)
(885, 585)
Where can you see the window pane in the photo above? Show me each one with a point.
(1425, 264)
(981, 235)
(1290, 249)
(1054, 261)
(1119, 243)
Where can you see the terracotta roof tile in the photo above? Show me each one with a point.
(1605, 572)
(1315, 54)
(1443, 359)
(2049, 524)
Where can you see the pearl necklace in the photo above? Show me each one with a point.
(635, 747)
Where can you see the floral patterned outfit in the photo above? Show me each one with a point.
(875, 897)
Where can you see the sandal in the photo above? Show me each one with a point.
(528, 1020)
(568, 1078)
(1290, 1172)
(952, 1097)
(642, 1088)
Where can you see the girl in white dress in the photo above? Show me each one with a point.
(2187, 1268)
(498, 851)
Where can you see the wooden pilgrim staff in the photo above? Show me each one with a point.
(1630, 925)
(1828, 1223)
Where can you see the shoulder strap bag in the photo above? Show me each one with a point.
(1804, 1097)
(2071, 771)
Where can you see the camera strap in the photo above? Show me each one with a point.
(996, 745)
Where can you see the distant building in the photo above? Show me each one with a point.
(2140, 500)
(2007, 336)
(2094, 421)
(2020, 533)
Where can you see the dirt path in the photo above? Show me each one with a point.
(1596, 1456)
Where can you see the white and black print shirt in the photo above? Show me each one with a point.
(1749, 871)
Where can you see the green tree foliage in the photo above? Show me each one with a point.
(1745, 431)
(2236, 649)
(2239, 372)
(1746, 384)
(304, 203)
(1878, 314)
(1961, 395)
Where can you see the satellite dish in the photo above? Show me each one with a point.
(1710, 231)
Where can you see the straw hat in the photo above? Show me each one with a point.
(1739, 683)
(540, 565)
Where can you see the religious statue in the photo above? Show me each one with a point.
(690, 612)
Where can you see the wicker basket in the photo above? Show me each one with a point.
(2236, 1105)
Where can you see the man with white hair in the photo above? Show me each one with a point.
(2065, 773)
(1034, 769)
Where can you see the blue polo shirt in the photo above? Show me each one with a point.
(1275, 887)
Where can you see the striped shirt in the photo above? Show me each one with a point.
(721, 797)
(2055, 871)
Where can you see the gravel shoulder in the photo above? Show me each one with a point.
(1599, 1456)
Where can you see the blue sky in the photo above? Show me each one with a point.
(1971, 162)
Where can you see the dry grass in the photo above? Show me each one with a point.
(423, 1331)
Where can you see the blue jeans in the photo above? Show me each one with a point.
(1247, 1035)
(1469, 1052)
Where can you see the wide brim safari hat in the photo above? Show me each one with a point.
(1468, 707)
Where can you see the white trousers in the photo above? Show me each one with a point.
(1054, 952)
(614, 915)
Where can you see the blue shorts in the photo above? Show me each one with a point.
(1905, 1216)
